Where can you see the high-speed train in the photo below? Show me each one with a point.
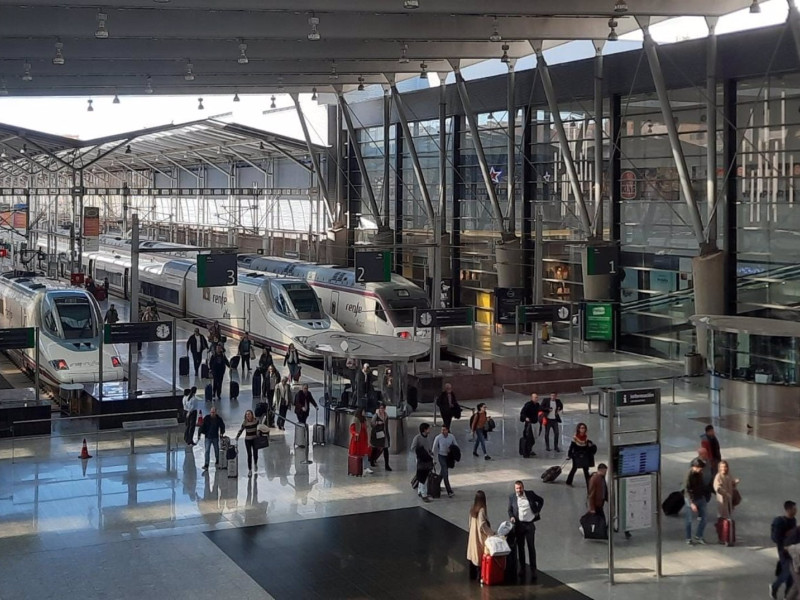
(376, 308)
(70, 324)
(275, 311)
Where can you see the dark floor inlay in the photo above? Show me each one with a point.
(393, 554)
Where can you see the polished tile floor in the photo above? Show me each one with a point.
(132, 526)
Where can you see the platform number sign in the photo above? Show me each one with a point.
(217, 270)
(602, 260)
(373, 266)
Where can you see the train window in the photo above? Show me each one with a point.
(304, 301)
(380, 313)
(76, 317)
(159, 292)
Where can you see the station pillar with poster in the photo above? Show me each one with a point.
(635, 467)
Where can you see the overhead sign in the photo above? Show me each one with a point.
(373, 266)
(217, 270)
(134, 333)
(19, 337)
(90, 230)
(506, 301)
(640, 397)
(602, 260)
(536, 313)
(446, 317)
(598, 322)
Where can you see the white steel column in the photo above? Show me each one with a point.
(511, 146)
(711, 129)
(356, 149)
(597, 231)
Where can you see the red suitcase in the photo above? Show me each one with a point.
(726, 531)
(355, 466)
(493, 570)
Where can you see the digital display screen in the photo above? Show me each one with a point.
(638, 459)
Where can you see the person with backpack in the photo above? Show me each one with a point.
(782, 529)
(478, 424)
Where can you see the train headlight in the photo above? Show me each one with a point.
(115, 361)
(60, 365)
(404, 334)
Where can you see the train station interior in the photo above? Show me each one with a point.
(586, 198)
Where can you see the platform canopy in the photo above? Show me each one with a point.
(92, 47)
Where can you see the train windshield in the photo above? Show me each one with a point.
(401, 310)
(296, 300)
(70, 318)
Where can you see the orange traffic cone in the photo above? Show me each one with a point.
(85, 451)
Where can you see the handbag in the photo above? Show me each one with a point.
(414, 482)
(490, 425)
(200, 420)
(496, 546)
(262, 441)
(736, 500)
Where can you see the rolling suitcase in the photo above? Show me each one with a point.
(551, 474)
(319, 434)
(355, 466)
(257, 384)
(224, 446)
(594, 527)
(234, 390)
(204, 371)
(726, 531)
(493, 570)
(434, 485)
(232, 461)
(673, 504)
(209, 392)
(300, 436)
(234, 362)
(183, 366)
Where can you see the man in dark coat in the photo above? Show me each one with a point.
(552, 407)
(448, 405)
(524, 507)
(218, 364)
(195, 345)
(303, 401)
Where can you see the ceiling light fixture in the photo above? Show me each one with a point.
(404, 55)
(334, 74)
(58, 59)
(495, 37)
(423, 70)
(272, 102)
(755, 8)
(116, 99)
(3, 88)
(236, 96)
(89, 108)
(149, 87)
(620, 6)
(313, 35)
(649, 126)
(410, 4)
(360, 83)
(612, 34)
(26, 72)
(128, 149)
(102, 31)
(189, 73)
(24, 149)
(313, 94)
(200, 104)
(261, 146)
(504, 59)
(2, 153)
(242, 60)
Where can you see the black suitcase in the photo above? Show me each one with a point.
(319, 434)
(434, 485)
(183, 366)
(551, 474)
(209, 393)
(257, 384)
(234, 390)
(204, 371)
(235, 362)
(673, 504)
(594, 527)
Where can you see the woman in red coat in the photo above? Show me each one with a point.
(359, 438)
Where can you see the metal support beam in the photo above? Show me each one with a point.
(794, 23)
(597, 226)
(133, 349)
(711, 130)
(334, 208)
(512, 146)
(355, 147)
(651, 50)
(294, 159)
(472, 124)
(443, 152)
(387, 125)
(412, 151)
(563, 142)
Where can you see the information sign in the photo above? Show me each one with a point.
(90, 231)
(446, 317)
(134, 333)
(217, 270)
(601, 260)
(637, 459)
(636, 500)
(373, 266)
(598, 321)
(640, 397)
(18, 337)
(506, 301)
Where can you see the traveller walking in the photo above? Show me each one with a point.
(303, 401)
(581, 451)
(265, 360)
(597, 494)
(783, 529)
(726, 490)
(421, 447)
(190, 407)
(217, 365)
(478, 423)
(213, 428)
(292, 361)
(442, 444)
(359, 439)
(695, 491)
(479, 530)
(379, 437)
(710, 442)
(196, 345)
(244, 349)
(112, 316)
(524, 507)
(281, 400)
(250, 429)
(448, 405)
(552, 408)
(270, 381)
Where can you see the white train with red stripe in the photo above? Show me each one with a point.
(70, 324)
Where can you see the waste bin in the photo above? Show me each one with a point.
(693, 364)
(607, 395)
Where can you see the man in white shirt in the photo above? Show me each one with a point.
(441, 448)
(524, 507)
(190, 406)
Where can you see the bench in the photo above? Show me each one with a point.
(595, 390)
(150, 425)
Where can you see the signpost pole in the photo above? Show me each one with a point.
(611, 409)
(133, 349)
(100, 361)
(36, 366)
(571, 334)
(516, 329)
(474, 340)
(414, 337)
(174, 356)
(659, 572)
